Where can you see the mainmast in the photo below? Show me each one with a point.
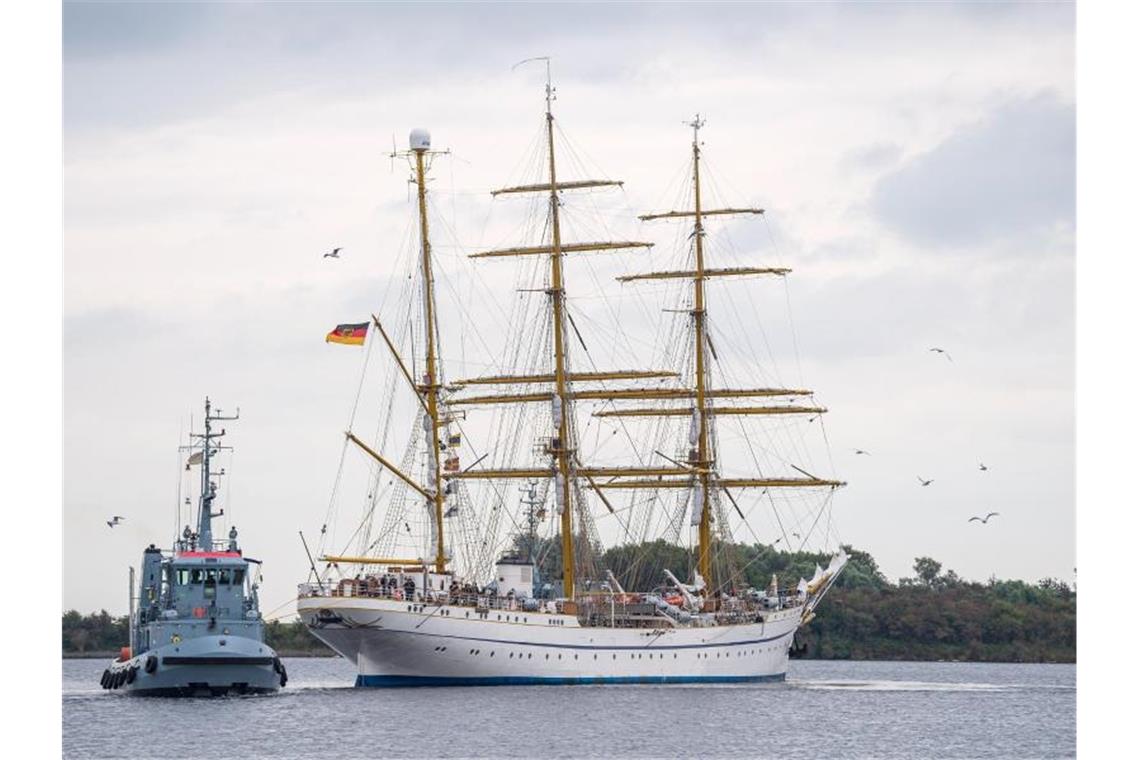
(704, 556)
(562, 445)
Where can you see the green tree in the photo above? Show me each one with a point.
(927, 570)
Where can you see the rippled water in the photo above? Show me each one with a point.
(824, 710)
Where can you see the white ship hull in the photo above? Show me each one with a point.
(395, 643)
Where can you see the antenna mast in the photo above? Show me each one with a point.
(209, 487)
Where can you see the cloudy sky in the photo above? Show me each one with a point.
(916, 163)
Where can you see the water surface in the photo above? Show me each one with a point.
(826, 709)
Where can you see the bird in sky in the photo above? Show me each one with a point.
(984, 520)
(861, 451)
(334, 254)
(982, 467)
(795, 535)
(324, 528)
(943, 352)
(115, 521)
(924, 482)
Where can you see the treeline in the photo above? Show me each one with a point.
(102, 634)
(934, 615)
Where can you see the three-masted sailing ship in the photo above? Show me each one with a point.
(417, 619)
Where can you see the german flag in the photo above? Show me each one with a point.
(352, 335)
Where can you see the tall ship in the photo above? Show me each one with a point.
(446, 580)
(195, 622)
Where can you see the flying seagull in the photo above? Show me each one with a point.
(334, 254)
(984, 520)
(115, 521)
(860, 451)
(982, 467)
(924, 482)
(943, 352)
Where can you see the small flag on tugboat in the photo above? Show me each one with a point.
(352, 335)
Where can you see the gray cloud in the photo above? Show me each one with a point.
(1012, 174)
(215, 151)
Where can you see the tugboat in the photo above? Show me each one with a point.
(195, 624)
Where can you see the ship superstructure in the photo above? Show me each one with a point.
(412, 620)
(195, 622)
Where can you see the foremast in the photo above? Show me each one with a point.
(428, 387)
(431, 386)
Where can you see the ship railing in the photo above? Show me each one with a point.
(221, 545)
(365, 589)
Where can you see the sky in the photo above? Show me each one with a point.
(917, 165)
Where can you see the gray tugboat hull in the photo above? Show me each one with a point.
(200, 667)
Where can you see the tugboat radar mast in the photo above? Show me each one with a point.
(205, 539)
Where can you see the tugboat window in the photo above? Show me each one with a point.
(196, 575)
(224, 576)
(239, 576)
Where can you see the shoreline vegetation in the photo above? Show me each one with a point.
(933, 616)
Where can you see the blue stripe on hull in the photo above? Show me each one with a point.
(387, 682)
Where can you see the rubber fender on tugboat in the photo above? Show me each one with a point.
(277, 666)
(114, 679)
(132, 671)
(151, 663)
(284, 675)
(105, 678)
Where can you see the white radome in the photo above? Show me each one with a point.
(419, 139)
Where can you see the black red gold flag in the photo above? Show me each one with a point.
(351, 335)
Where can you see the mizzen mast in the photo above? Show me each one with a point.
(705, 477)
